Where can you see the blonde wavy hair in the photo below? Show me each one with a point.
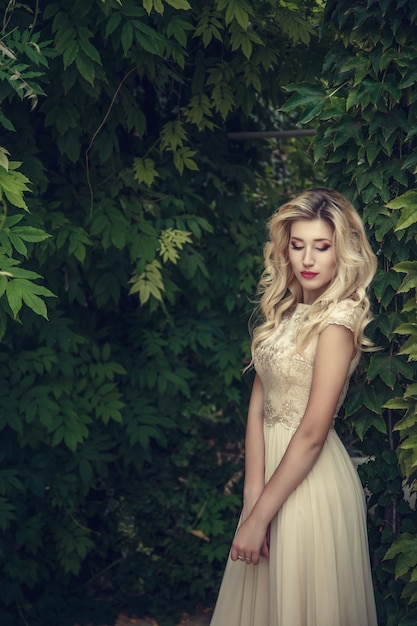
(280, 291)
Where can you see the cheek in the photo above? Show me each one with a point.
(332, 265)
(291, 258)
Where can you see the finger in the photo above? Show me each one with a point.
(265, 549)
(266, 543)
(248, 559)
(235, 555)
(255, 558)
(268, 536)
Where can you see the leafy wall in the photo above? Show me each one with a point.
(126, 209)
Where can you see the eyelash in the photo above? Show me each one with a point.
(294, 247)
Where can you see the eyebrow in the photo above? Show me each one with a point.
(323, 239)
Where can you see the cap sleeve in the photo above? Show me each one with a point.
(344, 314)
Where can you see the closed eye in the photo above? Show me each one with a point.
(322, 249)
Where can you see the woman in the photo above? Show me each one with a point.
(300, 554)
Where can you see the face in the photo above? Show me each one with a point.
(312, 256)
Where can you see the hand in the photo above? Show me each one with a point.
(249, 541)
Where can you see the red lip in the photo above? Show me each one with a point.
(309, 274)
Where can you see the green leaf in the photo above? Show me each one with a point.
(173, 135)
(21, 290)
(127, 37)
(178, 28)
(14, 296)
(236, 11)
(86, 67)
(6, 123)
(311, 111)
(410, 391)
(307, 95)
(406, 423)
(172, 240)
(198, 110)
(406, 266)
(407, 218)
(410, 162)
(397, 404)
(144, 171)
(372, 151)
(114, 21)
(14, 184)
(70, 53)
(148, 283)
(29, 233)
(148, 5)
(159, 6)
(387, 367)
(183, 159)
(392, 87)
(406, 200)
(179, 4)
(90, 51)
(409, 348)
(405, 549)
(4, 161)
(385, 286)
(18, 244)
(148, 38)
(408, 328)
(3, 284)
(35, 303)
(223, 99)
(366, 420)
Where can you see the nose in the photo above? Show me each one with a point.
(308, 260)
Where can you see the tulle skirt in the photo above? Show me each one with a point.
(318, 573)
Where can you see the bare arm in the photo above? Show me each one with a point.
(333, 357)
(254, 449)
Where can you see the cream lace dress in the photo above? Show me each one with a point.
(318, 573)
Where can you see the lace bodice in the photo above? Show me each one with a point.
(287, 375)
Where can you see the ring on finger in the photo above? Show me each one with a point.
(240, 557)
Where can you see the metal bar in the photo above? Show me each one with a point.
(270, 134)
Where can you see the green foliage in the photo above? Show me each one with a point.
(21, 52)
(122, 416)
(365, 110)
